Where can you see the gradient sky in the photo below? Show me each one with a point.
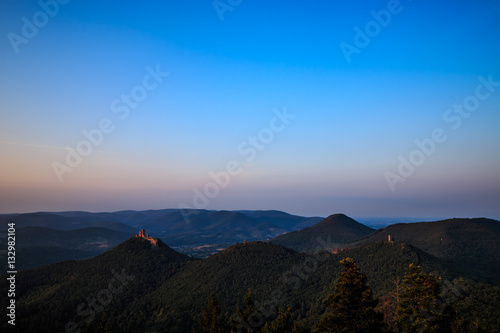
(227, 79)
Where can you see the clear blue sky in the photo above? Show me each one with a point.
(231, 69)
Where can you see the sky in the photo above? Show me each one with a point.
(368, 108)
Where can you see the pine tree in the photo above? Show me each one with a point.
(416, 310)
(352, 307)
(212, 321)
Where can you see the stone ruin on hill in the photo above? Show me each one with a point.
(153, 241)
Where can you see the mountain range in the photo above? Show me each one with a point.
(47, 237)
(138, 286)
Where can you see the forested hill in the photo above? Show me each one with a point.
(140, 287)
(472, 241)
(144, 285)
(51, 296)
(335, 229)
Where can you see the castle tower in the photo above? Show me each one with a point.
(153, 241)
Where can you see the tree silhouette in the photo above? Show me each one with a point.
(352, 307)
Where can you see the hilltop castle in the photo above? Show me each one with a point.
(142, 234)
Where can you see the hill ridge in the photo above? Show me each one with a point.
(337, 228)
(166, 290)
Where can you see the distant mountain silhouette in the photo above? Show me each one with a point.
(67, 221)
(175, 222)
(204, 227)
(336, 229)
(188, 230)
(282, 219)
(182, 228)
(40, 219)
(38, 246)
(77, 238)
(132, 218)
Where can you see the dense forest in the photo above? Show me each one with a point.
(257, 287)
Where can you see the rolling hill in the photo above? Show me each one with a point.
(136, 287)
(473, 242)
(64, 292)
(180, 227)
(336, 229)
(282, 219)
(194, 232)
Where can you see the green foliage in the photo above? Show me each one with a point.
(352, 307)
(417, 307)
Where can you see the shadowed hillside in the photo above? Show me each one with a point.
(472, 242)
(143, 285)
(337, 228)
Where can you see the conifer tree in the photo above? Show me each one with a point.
(352, 307)
(416, 310)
